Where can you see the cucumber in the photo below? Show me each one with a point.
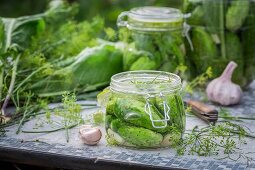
(143, 63)
(248, 43)
(108, 120)
(234, 52)
(176, 113)
(138, 136)
(236, 14)
(197, 16)
(133, 112)
(204, 49)
(110, 107)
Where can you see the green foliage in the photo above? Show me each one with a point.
(87, 69)
(16, 35)
(49, 53)
(70, 38)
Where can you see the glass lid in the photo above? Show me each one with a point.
(151, 19)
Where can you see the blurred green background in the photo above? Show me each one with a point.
(109, 9)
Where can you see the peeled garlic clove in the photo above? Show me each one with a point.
(90, 135)
(222, 90)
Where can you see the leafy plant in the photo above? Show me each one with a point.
(46, 54)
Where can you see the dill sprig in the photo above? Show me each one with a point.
(70, 113)
(198, 81)
(212, 140)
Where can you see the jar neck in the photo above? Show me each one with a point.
(154, 25)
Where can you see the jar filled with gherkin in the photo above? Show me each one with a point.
(155, 38)
(222, 31)
(144, 109)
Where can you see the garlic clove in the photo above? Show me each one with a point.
(90, 135)
(222, 90)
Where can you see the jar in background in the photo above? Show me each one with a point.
(156, 41)
(144, 109)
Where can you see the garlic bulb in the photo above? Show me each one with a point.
(222, 90)
(90, 135)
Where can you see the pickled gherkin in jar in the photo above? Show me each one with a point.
(144, 109)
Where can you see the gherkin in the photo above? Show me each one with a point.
(236, 14)
(138, 136)
(132, 111)
(205, 50)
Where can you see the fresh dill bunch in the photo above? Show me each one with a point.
(68, 39)
(70, 113)
(212, 140)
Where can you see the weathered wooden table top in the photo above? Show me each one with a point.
(51, 149)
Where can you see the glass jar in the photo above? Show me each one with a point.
(222, 31)
(145, 109)
(155, 38)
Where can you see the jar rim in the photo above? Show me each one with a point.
(144, 82)
(155, 14)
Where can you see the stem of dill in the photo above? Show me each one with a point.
(24, 114)
(49, 131)
(11, 87)
(28, 77)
